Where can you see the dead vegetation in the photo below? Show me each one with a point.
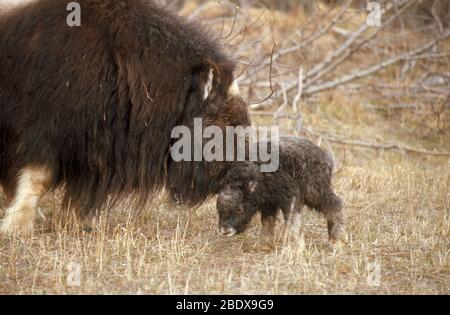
(377, 97)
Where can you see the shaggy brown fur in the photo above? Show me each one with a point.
(303, 178)
(96, 104)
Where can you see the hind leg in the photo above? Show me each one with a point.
(32, 183)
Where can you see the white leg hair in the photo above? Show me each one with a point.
(294, 224)
(32, 184)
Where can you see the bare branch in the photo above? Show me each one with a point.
(361, 73)
(346, 52)
(313, 37)
(378, 146)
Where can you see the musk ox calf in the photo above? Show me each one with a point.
(90, 108)
(303, 178)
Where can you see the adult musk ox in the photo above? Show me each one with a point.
(90, 109)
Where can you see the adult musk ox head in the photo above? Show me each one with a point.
(91, 108)
(192, 181)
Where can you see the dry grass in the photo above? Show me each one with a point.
(397, 209)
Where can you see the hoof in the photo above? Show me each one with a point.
(87, 229)
(9, 227)
(87, 224)
(266, 248)
(294, 239)
(339, 242)
(266, 244)
(339, 236)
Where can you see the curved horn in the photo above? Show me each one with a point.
(209, 84)
(234, 89)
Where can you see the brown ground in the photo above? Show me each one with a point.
(397, 209)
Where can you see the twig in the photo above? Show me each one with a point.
(272, 90)
(364, 144)
(296, 100)
(299, 91)
(232, 25)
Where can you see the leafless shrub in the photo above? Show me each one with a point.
(335, 49)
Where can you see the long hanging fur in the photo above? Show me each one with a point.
(97, 103)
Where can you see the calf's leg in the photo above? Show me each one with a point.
(294, 217)
(267, 230)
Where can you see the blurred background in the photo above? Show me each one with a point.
(388, 58)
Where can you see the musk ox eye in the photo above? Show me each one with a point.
(239, 210)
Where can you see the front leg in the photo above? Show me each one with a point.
(267, 230)
(294, 218)
(32, 183)
(8, 191)
(336, 228)
(335, 220)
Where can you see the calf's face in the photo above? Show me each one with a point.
(235, 211)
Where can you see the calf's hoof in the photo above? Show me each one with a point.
(266, 247)
(339, 240)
